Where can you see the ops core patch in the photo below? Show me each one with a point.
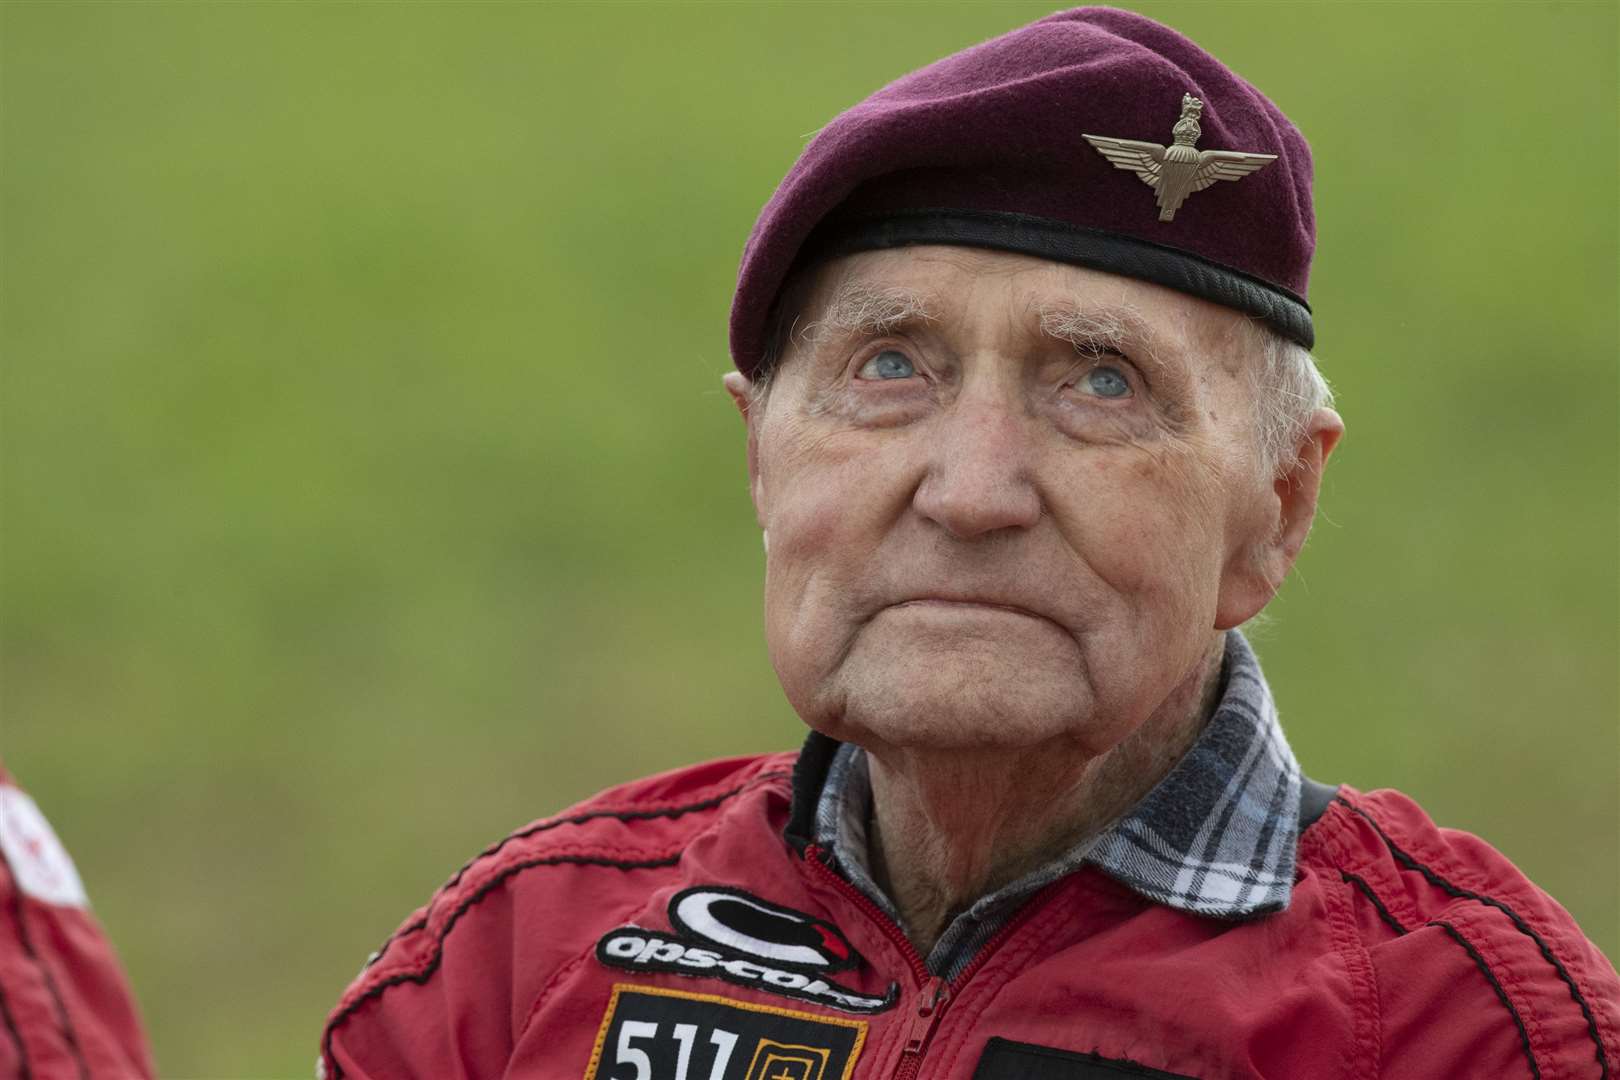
(651, 1032)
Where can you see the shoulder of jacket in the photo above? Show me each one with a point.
(641, 825)
(638, 824)
(1459, 939)
(1431, 868)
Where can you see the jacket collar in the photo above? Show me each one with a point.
(809, 775)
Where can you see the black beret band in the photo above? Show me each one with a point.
(1025, 234)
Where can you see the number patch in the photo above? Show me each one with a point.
(649, 1033)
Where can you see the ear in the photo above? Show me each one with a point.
(1255, 575)
(741, 389)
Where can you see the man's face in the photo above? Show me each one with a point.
(1006, 501)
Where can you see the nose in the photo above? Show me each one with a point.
(980, 470)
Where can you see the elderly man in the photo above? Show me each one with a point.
(1032, 428)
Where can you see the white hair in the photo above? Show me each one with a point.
(1286, 388)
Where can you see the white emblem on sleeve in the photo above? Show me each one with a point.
(38, 861)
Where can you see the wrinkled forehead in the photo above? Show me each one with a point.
(877, 291)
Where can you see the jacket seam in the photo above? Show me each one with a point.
(1367, 1020)
(590, 949)
(1496, 985)
(1519, 923)
(580, 959)
(421, 977)
(1471, 922)
(1378, 905)
(892, 1040)
(1371, 872)
(19, 916)
(23, 1070)
(1529, 1029)
(1322, 844)
(547, 824)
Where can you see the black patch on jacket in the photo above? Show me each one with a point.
(1004, 1059)
(649, 1031)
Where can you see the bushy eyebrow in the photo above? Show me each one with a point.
(1089, 328)
(1117, 327)
(863, 308)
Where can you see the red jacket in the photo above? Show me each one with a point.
(65, 1010)
(669, 929)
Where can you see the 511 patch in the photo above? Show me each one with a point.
(649, 1033)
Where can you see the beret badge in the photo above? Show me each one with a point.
(1178, 170)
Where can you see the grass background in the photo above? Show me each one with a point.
(368, 489)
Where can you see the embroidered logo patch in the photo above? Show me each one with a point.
(746, 924)
(728, 934)
(650, 1032)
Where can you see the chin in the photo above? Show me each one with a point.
(969, 702)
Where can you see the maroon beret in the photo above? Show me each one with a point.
(1094, 136)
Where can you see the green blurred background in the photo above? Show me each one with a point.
(368, 488)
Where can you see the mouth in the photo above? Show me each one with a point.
(943, 604)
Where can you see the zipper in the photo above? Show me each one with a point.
(817, 858)
(934, 992)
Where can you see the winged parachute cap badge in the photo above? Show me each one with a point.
(1178, 170)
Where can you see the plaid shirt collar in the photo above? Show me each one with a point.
(1215, 837)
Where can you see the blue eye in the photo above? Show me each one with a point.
(1107, 382)
(888, 364)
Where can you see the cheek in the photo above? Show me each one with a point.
(813, 491)
(1150, 523)
(827, 511)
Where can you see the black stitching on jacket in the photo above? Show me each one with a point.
(578, 819)
(23, 1072)
(421, 977)
(1479, 962)
(1523, 927)
(542, 826)
(1383, 912)
(68, 1035)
